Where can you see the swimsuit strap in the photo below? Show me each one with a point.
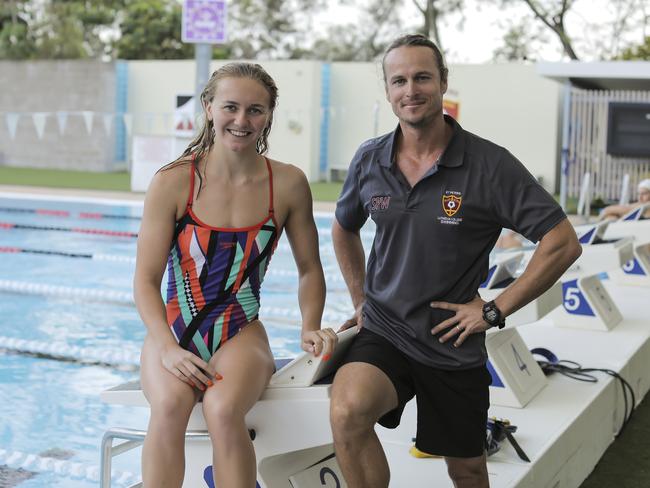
(268, 165)
(190, 199)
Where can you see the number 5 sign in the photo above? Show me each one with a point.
(586, 305)
(635, 272)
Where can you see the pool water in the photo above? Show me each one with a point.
(51, 418)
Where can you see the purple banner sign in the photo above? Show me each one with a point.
(204, 21)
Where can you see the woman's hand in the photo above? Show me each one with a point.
(188, 367)
(319, 341)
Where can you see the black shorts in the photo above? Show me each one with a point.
(452, 406)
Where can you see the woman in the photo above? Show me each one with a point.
(221, 209)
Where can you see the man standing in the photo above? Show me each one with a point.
(439, 197)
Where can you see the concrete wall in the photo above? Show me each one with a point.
(506, 103)
(513, 106)
(45, 87)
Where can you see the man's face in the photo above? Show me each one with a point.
(413, 85)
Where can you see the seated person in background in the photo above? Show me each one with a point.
(618, 211)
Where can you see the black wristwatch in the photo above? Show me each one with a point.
(492, 315)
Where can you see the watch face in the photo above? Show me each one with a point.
(491, 315)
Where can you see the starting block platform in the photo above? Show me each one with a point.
(564, 429)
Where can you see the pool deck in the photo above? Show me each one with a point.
(117, 195)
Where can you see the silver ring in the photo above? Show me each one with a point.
(459, 329)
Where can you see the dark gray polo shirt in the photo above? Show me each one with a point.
(433, 241)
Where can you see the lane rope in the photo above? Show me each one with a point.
(76, 230)
(119, 358)
(62, 467)
(31, 288)
(65, 213)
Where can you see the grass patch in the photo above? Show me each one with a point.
(326, 192)
(88, 180)
(54, 178)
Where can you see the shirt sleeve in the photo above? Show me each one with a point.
(520, 203)
(350, 212)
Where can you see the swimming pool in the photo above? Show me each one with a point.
(74, 304)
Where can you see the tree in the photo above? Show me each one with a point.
(519, 42)
(56, 29)
(552, 13)
(433, 11)
(267, 29)
(363, 41)
(640, 52)
(599, 39)
(151, 29)
(75, 28)
(16, 39)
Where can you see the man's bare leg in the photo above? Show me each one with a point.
(468, 472)
(361, 394)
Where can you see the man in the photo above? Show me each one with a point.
(439, 197)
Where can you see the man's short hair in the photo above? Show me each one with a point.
(417, 40)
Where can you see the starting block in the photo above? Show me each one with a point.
(586, 302)
(516, 376)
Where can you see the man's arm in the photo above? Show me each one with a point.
(556, 251)
(352, 261)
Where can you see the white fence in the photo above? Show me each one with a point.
(588, 145)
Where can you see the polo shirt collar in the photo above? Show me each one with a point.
(451, 158)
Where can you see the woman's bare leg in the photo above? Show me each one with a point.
(246, 364)
(171, 401)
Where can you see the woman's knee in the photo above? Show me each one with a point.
(222, 414)
(172, 406)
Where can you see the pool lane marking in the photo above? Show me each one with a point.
(62, 467)
(97, 256)
(126, 298)
(78, 230)
(61, 351)
(66, 213)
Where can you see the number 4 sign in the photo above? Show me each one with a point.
(516, 376)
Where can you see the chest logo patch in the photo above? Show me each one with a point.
(451, 204)
(381, 202)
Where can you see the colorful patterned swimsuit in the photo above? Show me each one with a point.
(215, 276)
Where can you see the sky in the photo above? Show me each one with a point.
(485, 23)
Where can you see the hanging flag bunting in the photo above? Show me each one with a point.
(39, 123)
(88, 119)
(12, 123)
(108, 122)
(128, 122)
(61, 120)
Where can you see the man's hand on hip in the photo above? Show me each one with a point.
(467, 320)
